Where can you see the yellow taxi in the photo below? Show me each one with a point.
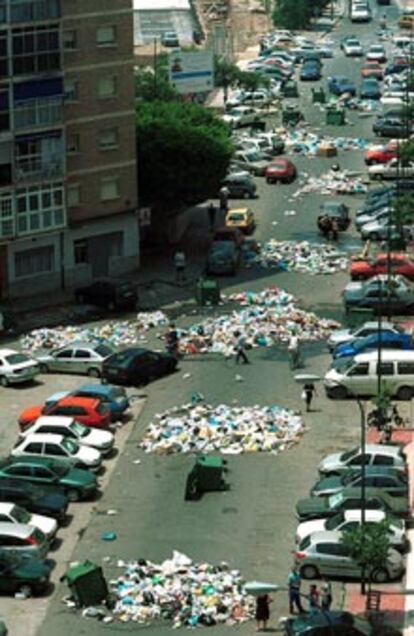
(406, 21)
(242, 218)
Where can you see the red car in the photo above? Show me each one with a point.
(372, 69)
(380, 154)
(281, 170)
(88, 411)
(400, 264)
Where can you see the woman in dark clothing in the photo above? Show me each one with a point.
(262, 610)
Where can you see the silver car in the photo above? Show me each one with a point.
(340, 336)
(324, 554)
(77, 357)
(22, 539)
(375, 455)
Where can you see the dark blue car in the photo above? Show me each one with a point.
(310, 71)
(114, 397)
(370, 89)
(389, 340)
(338, 85)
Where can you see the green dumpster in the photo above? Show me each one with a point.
(207, 475)
(290, 89)
(318, 96)
(207, 292)
(86, 583)
(291, 115)
(335, 117)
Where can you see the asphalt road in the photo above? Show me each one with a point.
(252, 525)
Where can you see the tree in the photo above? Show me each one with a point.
(368, 546)
(292, 14)
(152, 83)
(226, 74)
(184, 151)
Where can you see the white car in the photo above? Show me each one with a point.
(360, 12)
(12, 513)
(16, 367)
(352, 48)
(58, 447)
(241, 116)
(349, 520)
(391, 170)
(376, 53)
(102, 441)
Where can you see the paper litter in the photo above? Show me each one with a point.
(302, 141)
(232, 430)
(181, 591)
(304, 257)
(271, 317)
(340, 182)
(116, 332)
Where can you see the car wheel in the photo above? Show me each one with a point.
(309, 572)
(247, 195)
(73, 495)
(405, 393)
(338, 393)
(93, 372)
(380, 576)
(4, 381)
(369, 162)
(43, 368)
(25, 589)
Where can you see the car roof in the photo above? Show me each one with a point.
(16, 529)
(31, 460)
(374, 324)
(326, 535)
(238, 210)
(395, 355)
(310, 621)
(8, 352)
(54, 420)
(74, 400)
(52, 438)
(101, 389)
(382, 449)
(80, 343)
(6, 507)
(371, 515)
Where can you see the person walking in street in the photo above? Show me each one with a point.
(308, 392)
(262, 612)
(180, 264)
(172, 341)
(294, 582)
(211, 215)
(313, 599)
(326, 594)
(224, 199)
(293, 349)
(240, 351)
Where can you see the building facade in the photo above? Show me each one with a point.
(68, 193)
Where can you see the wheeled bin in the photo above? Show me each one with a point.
(207, 475)
(335, 116)
(291, 115)
(207, 292)
(290, 89)
(86, 583)
(318, 96)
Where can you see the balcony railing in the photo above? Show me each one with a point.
(38, 113)
(34, 169)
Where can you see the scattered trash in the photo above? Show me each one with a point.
(303, 257)
(229, 429)
(186, 376)
(108, 536)
(136, 461)
(112, 512)
(302, 141)
(183, 592)
(340, 182)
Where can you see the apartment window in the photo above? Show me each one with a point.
(69, 39)
(107, 86)
(2, 11)
(4, 71)
(108, 139)
(80, 251)
(6, 215)
(4, 111)
(36, 49)
(73, 195)
(40, 208)
(71, 90)
(106, 35)
(73, 144)
(110, 189)
(39, 260)
(29, 10)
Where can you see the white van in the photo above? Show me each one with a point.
(360, 12)
(358, 375)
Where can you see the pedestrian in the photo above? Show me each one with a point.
(308, 392)
(313, 599)
(180, 264)
(262, 613)
(326, 594)
(240, 350)
(294, 582)
(172, 340)
(211, 215)
(334, 229)
(293, 349)
(224, 199)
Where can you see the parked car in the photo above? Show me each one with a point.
(102, 441)
(223, 258)
(281, 170)
(242, 218)
(336, 622)
(375, 455)
(376, 53)
(275, 144)
(380, 154)
(406, 21)
(324, 554)
(352, 47)
(310, 72)
(360, 12)
(252, 160)
(401, 341)
(349, 499)
(40, 475)
(16, 367)
(50, 502)
(113, 397)
(381, 229)
(241, 116)
(338, 85)
(54, 446)
(240, 187)
(391, 126)
(370, 222)
(109, 293)
(391, 481)
(372, 69)
(21, 539)
(77, 357)
(338, 211)
(25, 574)
(398, 263)
(391, 170)
(342, 336)
(397, 66)
(88, 411)
(136, 366)
(12, 513)
(380, 295)
(349, 520)
(370, 88)
(170, 39)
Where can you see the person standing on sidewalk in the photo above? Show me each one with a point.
(224, 199)
(211, 216)
(180, 264)
(326, 594)
(294, 582)
(308, 392)
(262, 613)
(293, 349)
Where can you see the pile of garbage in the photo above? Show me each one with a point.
(339, 182)
(303, 257)
(272, 317)
(182, 591)
(231, 430)
(116, 332)
(302, 141)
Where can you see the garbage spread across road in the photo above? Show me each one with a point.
(272, 317)
(302, 141)
(182, 591)
(303, 257)
(117, 332)
(340, 182)
(231, 430)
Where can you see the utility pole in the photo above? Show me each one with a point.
(155, 69)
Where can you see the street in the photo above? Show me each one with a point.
(252, 525)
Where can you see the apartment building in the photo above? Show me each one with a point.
(68, 193)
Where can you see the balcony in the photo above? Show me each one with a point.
(35, 169)
(38, 113)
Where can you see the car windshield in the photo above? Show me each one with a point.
(343, 364)
(79, 429)
(235, 217)
(348, 454)
(376, 49)
(104, 350)
(16, 358)
(335, 500)
(348, 479)
(335, 521)
(69, 445)
(353, 43)
(20, 515)
(252, 155)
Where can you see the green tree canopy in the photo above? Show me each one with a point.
(368, 546)
(152, 83)
(184, 151)
(296, 14)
